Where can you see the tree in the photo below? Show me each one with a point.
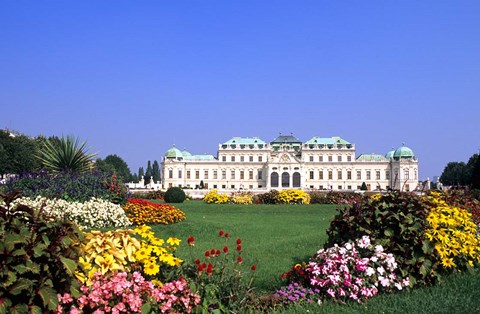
(470, 168)
(454, 174)
(363, 187)
(17, 153)
(120, 167)
(68, 155)
(476, 174)
(141, 172)
(156, 171)
(148, 173)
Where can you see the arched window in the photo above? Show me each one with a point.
(274, 180)
(285, 180)
(296, 179)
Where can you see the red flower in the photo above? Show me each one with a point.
(239, 248)
(227, 235)
(225, 249)
(191, 241)
(212, 252)
(209, 269)
(221, 233)
(239, 259)
(207, 254)
(253, 268)
(197, 261)
(239, 241)
(218, 252)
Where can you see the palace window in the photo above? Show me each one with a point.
(224, 158)
(369, 176)
(205, 174)
(242, 175)
(188, 174)
(407, 174)
(377, 175)
(349, 175)
(339, 158)
(311, 175)
(359, 175)
(349, 158)
(215, 174)
(232, 174)
(330, 158)
(179, 174)
(250, 175)
(251, 158)
(260, 174)
(232, 158)
(259, 158)
(311, 158)
(197, 174)
(339, 175)
(224, 174)
(242, 158)
(320, 158)
(320, 175)
(170, 174)
(330, 175)
(387, 174)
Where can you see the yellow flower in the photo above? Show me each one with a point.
(142, 254)
(173, 241)
(151, 269)
(448, 262)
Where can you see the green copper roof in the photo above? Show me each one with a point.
(389, 155)
(327, 141)
(403, 152)
(200, 157)
(371, 157)
(174, 153)
(186, 153)
(244, 141)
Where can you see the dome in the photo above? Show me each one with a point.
(186, 154)
(174, 153)
(390, 154)
(403, 152)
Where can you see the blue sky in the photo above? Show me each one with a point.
(133, 78)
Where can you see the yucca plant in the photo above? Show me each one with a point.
(66, 155)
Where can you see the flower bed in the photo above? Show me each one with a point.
(92, 214)
(141, 212)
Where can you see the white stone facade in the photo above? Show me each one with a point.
(320, 163)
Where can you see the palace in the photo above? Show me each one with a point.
(286, 162)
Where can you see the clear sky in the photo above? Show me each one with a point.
(133, 78)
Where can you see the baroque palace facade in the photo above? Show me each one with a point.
(286, 162)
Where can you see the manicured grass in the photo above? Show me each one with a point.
(275, 237)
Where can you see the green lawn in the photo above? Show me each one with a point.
(277, 236)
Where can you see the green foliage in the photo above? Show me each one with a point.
(70, 186)
(17, 153)
(454, 174)
(149, 195)
(156, 171)
(396, 221)
(333, 197)
(175, 195)
(270, 197)
(37, 259)
(476, 173)
(69, 155)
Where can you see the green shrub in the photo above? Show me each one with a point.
(269, 197)
(38, 259)
(174, 195)
(397, 221)
(70, 186)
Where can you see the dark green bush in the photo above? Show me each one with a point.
(174, 195)
(269, 197)
(397, 221)
(38, 258)
(333, 197)
(70, 186)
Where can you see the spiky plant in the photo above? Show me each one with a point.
(66, 155)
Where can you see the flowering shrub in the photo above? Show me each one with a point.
(220, 275)
(118, 250)
(244, 198)
(270, 197)
(355, 271)
(141, 212)
(292, 196)
(453, 233)
(92, 214)
(333, 197)
(463, 199)
(216, 198)
(296, 293)
(129, 293)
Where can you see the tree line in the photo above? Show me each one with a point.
(461, 174)
(20, 154)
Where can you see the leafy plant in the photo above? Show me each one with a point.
(174, 195)
(220, 276)
(396, 221)
(68, 155)
(38, 257)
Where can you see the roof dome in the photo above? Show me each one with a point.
(403, 152)
(185, 153)
(174, 153)
(390, 154)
